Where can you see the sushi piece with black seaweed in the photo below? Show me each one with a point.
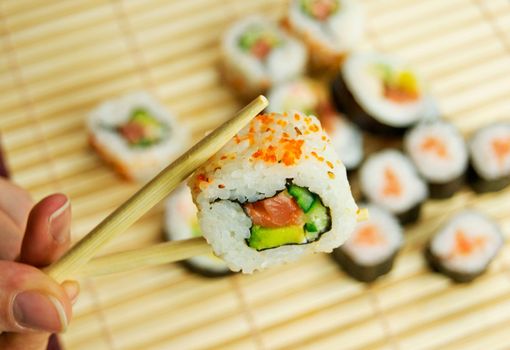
(381, 94)
(440, 155)
(389, 179)
(371, 250)
(489, 169)
(465, 246)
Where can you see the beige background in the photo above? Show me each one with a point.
(58, 59)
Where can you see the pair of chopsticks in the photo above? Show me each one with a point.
(77, 260)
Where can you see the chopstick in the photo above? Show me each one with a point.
(153, 192)
(159, 254)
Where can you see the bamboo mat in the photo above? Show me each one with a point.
(58, 59)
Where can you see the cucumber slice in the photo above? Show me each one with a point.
(318, 218)
(303, 197)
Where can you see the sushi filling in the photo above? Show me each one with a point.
(293, 216)
(320, 10)
(259, 41)
(142, 129)
(400, 86)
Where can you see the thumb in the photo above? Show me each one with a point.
(31, 301)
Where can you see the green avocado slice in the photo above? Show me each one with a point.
(272, 237)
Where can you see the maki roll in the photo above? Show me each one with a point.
(381, 94)
(465, 246)
(439, 152)
(136, 135)
(274, 192)
(329, 28)
(258, 54)
(489, 149)
(371, 250)
(181, 223)
(312, 98)
(389, 179)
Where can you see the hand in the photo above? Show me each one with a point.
(32, 305)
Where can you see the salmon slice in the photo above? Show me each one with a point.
(278, 211)
(132, 132)
(465, 245)
(369, 235)
(398, 95)
(501, 148)
(433, 144)
(392, 184)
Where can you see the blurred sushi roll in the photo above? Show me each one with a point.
(181, 222)
(329, 28)
(439, 152)
(274, 192)
(136, 135)
(371, 250)
(381, 94)
(465, 246)
(257, 54)
(312, 98)
(389, 179)
(489, 150)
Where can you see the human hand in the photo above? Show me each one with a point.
(32, 305)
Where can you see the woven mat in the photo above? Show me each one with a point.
(58, 59)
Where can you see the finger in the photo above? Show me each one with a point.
(31, 301)
(15, 202)
(48, 231)
(10, 238)
(35, 340)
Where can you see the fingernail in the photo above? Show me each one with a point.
(37, 311)
(58, 222)
(72, 289)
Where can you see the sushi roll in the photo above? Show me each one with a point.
(274, 192)
(439, 152)
(329, 28)
(181, 223)
(312, 98)
(465, 246)
(258, 54)
(381, 94)
(489, 148)
(389, 179)
(136, 135)
(371, 250)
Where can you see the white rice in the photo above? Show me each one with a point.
(387, 227)
(283, 62)
(305, 95)
(236, 175)
(340, 33)
(347, 141)
(481, 147)
(180, 216)
(368, 91)
(433, 167)
(473, 225)
(139, 163)
(373, 182)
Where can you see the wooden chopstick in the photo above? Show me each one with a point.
(152, 193)
(159, 254)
